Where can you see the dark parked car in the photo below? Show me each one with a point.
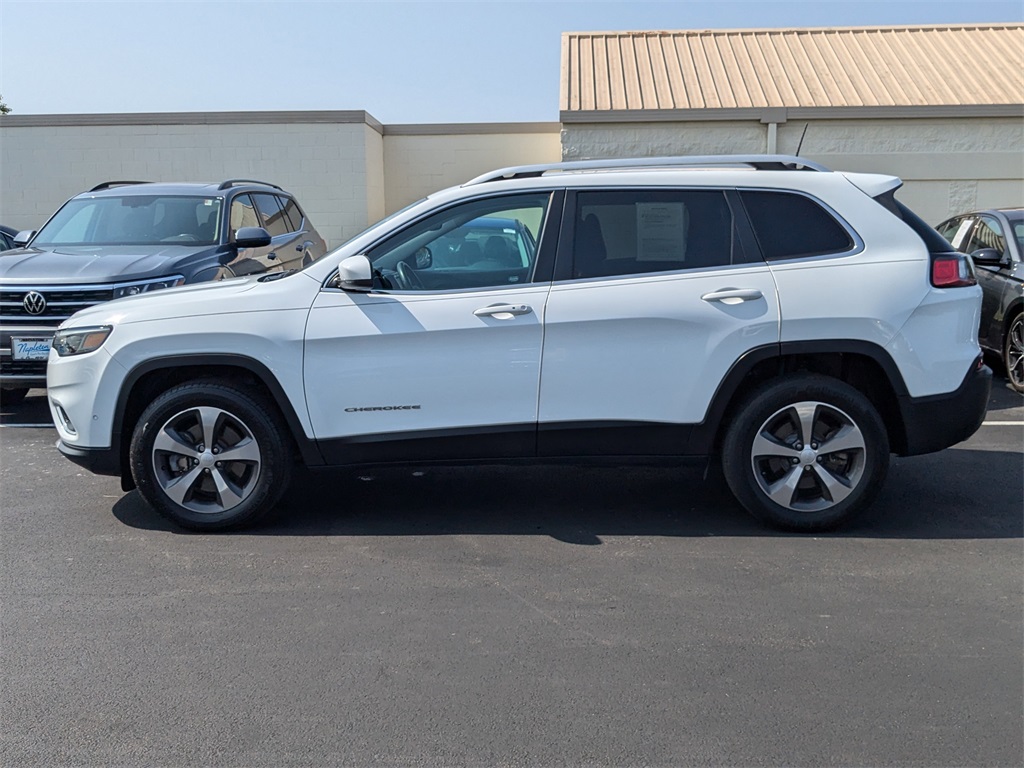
(995, 241)
(7, 235)
(123, 238)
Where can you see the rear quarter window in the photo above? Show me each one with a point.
(791, 226)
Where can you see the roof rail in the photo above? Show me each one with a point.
(109, 184)
(757, 162)
(232, 182)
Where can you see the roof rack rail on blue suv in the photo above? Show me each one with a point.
(109, 184)
(757, 162)
(231, 182)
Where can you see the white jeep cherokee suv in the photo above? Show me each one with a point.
(798, 323)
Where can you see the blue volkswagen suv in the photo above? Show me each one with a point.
(123, 238)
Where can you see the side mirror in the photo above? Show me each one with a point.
(252, 237)
(988, 257)
(355, 274)
(21, 239)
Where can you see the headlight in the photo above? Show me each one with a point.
(78, 341)
(150, 285)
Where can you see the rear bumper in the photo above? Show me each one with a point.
(939, 421)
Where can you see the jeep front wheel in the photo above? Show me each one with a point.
(806, 454)
(209, 456)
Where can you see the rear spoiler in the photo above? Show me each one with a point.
(874, 184)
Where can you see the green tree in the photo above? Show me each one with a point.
(4, 109)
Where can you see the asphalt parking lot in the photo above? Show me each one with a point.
(514, 616)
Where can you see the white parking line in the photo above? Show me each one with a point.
(1002, 423)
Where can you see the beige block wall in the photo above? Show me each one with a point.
(418, 162)
(346, 175)
(335, 170)
(349, 173)
(376, 204)
(601, 140)
(948, 165)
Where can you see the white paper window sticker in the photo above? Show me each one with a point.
(661, 231)
(961, 233)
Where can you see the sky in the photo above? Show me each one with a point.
(402, 62)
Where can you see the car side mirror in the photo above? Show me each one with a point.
(252, 237)
(355, 274)
(22, 238)
(988, 257)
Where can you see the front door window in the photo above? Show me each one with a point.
(487, 243)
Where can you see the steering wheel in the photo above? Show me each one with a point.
(407, 278)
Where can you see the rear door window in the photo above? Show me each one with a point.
(631, 232)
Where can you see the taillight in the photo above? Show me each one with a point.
(952, 270)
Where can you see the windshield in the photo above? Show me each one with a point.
(134, 220)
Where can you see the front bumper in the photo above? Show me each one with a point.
(99, 461)
(939, 421)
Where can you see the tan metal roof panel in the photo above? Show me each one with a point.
(965, 64)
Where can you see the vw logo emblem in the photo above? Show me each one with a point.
(34, 303)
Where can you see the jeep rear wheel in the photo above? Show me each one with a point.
(209, 456)
(806, 454)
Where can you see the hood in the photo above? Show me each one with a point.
(236, 294)
(93, 263)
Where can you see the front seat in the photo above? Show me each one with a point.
(590, 251)
(496, 250)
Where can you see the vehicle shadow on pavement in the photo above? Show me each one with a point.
(950, 495)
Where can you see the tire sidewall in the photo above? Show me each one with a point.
(255, 414)
(1007, 343)
(757, 409)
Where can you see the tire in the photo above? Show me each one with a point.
(12, 396)
(810, 487)
(175, 448)
(1013, 353)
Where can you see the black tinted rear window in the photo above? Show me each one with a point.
(789, 226)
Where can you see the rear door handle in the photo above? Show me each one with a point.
(733, 295)
(503, 311)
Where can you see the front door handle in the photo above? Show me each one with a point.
(733, 295)
(503, 311)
